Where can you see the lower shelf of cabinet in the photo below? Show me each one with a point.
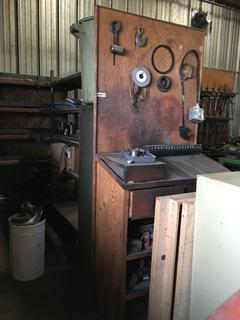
(69, 209)
(136, 294)
(139, 255)
(66, 139)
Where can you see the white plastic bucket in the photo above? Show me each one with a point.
(27, 250)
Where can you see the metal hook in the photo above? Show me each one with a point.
(138, 38)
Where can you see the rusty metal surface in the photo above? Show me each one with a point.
(48, 22)
(35, 34)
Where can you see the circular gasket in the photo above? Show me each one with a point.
(141, 76)
(164, 83)
(171, 54)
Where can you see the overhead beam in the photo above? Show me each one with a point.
(226, 4)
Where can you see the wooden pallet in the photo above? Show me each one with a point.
(172, 257)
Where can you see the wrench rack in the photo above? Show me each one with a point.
(217, 99)
(218, 107)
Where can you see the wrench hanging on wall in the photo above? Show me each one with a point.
(115, 27)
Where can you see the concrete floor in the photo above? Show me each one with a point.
(59, 294)
(56, 295)
(62, 293)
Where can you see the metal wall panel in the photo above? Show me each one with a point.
(120, 4)
(44, 38)
(150, 8)
(28, 37)
(8, 61)
(163, 10)
(85, 8)
(35, 35)
(179, 12)
(135, 6)
(48, 30)
(67, 43)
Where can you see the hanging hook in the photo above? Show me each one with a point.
(138, 38)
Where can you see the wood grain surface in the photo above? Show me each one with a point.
(172, 257)
(217, 79)
(111, 245)
(119, 124)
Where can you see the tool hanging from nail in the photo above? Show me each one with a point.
(141, 78)
(164, 83)
(195, 113)
(138, 38)
(115, 27)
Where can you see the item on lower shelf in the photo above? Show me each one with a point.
(139, 275)
(140, 238)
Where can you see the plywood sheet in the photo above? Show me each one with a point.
(217, 79)
(172, 257)
(158, 118)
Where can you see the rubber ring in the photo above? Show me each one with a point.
(164, 83)
(172, 57)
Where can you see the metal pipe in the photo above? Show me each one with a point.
(220, 5)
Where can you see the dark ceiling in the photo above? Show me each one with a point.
(230, 3)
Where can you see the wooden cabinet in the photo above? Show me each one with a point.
(124, 224)
(142, 202)
(116, 209)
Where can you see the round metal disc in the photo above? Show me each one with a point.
(141, 76)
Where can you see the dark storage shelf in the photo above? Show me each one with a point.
(69, 210)
(65, 139)
(139, 255)
(72, 174)
(136, 294)
(23, 109)
(66, 110)
(219, 118)
(69, 83)
(15, 137)
(24, 82)
(18, 161)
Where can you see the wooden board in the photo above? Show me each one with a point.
(217, 79)
(69, 210)
(184, 267)
(158, 118)
(111, 245)
(171, 257)
(142, 202)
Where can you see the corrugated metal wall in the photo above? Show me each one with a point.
(35, 35)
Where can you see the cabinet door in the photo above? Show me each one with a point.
(142, 202)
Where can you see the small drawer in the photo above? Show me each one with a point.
(142, 202)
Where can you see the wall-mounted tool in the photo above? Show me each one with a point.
(138, 155)
(141, 78)
(195, 113)
(164, 83)
(138, 38)
(169, 52)
(187, 71)
(115, 27)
